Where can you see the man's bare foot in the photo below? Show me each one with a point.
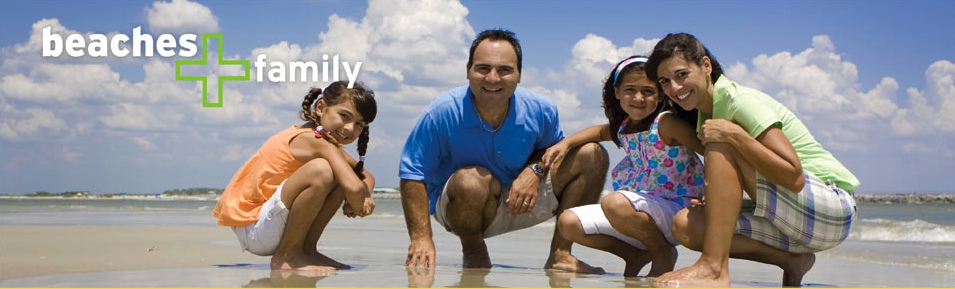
(662, 262)
(569, 263)
(298, 262)
(798, 266)
(697, 275)
(320, 258)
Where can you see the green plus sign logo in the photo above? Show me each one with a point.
(204, 78)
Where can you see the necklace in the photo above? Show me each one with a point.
(488, 127)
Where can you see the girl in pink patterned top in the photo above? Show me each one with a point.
(657, 178)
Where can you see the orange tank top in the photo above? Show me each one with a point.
(256, 181)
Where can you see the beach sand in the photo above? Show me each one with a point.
(43, 250)
(209, 256)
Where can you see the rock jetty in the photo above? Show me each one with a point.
(912, 198)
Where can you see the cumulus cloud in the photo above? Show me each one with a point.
(85, 98)
(35, 43)
(930, 110)
(180, 16)
(397, 39)
(824, 91)
(814, 81)
(30, 125)
(411, 51)
(577, 87)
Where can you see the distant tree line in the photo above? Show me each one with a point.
(192, 192)
(63, 194)
(173, 192)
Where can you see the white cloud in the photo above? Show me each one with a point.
(930, 110)
(56, 83)
(411, 52)
(180, 16)
(824, 91)
(577, 88)
(593, 58)
(35, 43)
(29, 126)
(129, 116)
(815, 81)
(413, 42)
(145, 143)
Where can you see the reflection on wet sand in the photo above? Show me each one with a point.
(290, 279)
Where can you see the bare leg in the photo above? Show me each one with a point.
(473, 193)
(640, 226)
(571, 229)
(689, 225)
(304, 193)
(717, 219)
(724, 196)
(329, 209)
(578, 180)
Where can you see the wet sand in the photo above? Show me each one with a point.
(208, 256)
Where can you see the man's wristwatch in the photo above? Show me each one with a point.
(536, 168)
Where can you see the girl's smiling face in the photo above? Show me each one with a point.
(638, 95)
(342, 120)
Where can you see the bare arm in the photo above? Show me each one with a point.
(525, 186)
(555, 153)
(368, 202)
(677, 132)
(770, 153)
(414, 201)
(305, 148)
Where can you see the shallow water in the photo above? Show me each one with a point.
(880, 252)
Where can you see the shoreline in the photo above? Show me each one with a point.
(884, 198)
(182, 256)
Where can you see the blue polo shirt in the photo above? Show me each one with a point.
(449, 135)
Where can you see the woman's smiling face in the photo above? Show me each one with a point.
(685, 83)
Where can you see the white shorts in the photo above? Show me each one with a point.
(263, 237)
(594, 221)
(544, 209)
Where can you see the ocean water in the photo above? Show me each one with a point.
(912, 235)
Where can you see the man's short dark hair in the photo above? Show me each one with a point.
(497, 35)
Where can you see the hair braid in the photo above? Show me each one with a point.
(362, 148)
(307, 113)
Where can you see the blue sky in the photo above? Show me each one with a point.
(873, 80)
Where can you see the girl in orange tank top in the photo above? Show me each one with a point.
(279, 202)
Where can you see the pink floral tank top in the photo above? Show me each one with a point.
(674, 173)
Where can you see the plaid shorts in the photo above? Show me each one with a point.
(817, 218)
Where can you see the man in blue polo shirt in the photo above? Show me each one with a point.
(473, 161)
